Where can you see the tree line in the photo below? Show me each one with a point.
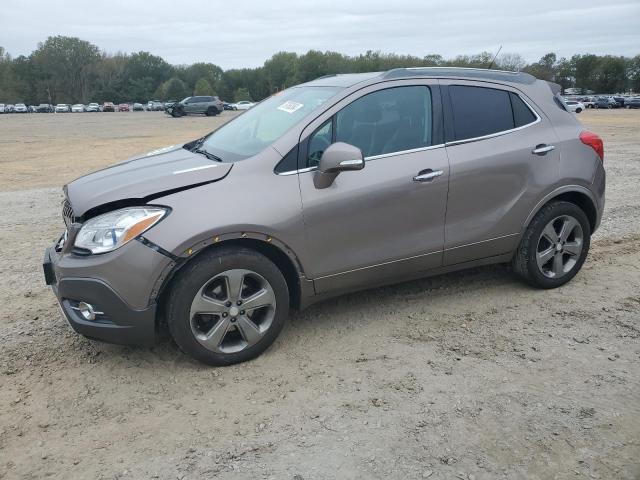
(70, 70)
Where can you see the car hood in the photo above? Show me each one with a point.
(157, 172)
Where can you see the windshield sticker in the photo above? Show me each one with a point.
(290, 106)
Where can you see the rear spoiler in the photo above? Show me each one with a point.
(555, 88)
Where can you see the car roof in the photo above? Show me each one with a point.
(350, 79)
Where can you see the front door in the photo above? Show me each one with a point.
(385, 221)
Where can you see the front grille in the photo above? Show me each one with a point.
(67, 213)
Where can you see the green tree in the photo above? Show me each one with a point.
(175, 89)
(633, 73)
(203, 87)
(63, 67)
(241, 94)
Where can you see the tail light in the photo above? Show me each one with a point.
(594, 141)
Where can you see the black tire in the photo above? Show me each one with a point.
(197, 273)
(177, 112)
(578, 110)
(525, 260)
(211, 112)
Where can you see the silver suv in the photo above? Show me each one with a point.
(343, 183)
(203, 105)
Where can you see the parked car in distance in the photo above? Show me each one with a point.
(124, 107)
(197, 105)
(62, 108)
(20, 108)
(77, 108)
(44, 108)
(93, 107)
(229, 106)
(363, 174)
(8, 108)
(586, 101)
(243, 105)
(155, 106)
(2, 108)
(605, 102)
(633, 102)
(619, 100)
(574, 106)
(108, 107)
(137, 107)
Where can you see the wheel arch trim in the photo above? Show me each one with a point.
(563, 190)
(272, 247)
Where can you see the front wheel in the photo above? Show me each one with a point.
(554, 246)
(227, 306)
(578, 110)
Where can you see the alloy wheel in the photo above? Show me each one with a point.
(232, 311)
(559, 246)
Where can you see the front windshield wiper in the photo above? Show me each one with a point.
(197, 148)
(207, 154)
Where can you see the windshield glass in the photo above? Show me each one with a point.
(264, 123)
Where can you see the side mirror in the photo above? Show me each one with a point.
(338, 157)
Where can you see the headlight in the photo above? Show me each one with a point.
(112, 230)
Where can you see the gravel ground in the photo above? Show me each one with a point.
(467, 375)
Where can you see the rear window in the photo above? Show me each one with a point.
(481, 111)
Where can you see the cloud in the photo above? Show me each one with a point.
(243, 33)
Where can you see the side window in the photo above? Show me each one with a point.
(318, 142)
(522, 115)
(387, 121)
(480, 111)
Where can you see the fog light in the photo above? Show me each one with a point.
(87, 311)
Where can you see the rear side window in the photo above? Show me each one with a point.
(480, 111)
(522, 115)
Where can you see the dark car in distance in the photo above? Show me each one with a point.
(633, 102)
(198, 105)
(44, 108)
(108, 107)
(605, 102)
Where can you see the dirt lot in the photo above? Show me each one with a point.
(469, 375)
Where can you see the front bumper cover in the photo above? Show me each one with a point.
(117, 322)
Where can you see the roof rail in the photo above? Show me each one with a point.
(461, 72)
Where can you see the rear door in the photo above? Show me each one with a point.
(387, 220)
(496, 178)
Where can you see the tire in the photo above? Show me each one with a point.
(596, 107)
(211, 112)
(578, 110)
(535, 245)
(177, 113)
(207, 277)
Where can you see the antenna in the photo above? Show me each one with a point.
(494, 58)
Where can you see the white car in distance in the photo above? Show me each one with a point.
(78, 108)
(574, 106)
(244, 105)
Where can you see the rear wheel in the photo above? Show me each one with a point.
(578, 110)
(554, 246)
(211, 111)
(227, 306)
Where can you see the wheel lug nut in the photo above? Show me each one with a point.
(228, 304)
(241, 312)
(224, 315)
(239, 302)
(233, 319)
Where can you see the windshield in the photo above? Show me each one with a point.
(260, 126)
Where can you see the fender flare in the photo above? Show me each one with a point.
(555, 193)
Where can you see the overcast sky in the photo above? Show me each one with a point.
(239, 33)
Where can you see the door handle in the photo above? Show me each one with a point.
(542, 149)
(427, 175)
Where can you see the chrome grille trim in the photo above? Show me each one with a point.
(67, 213)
